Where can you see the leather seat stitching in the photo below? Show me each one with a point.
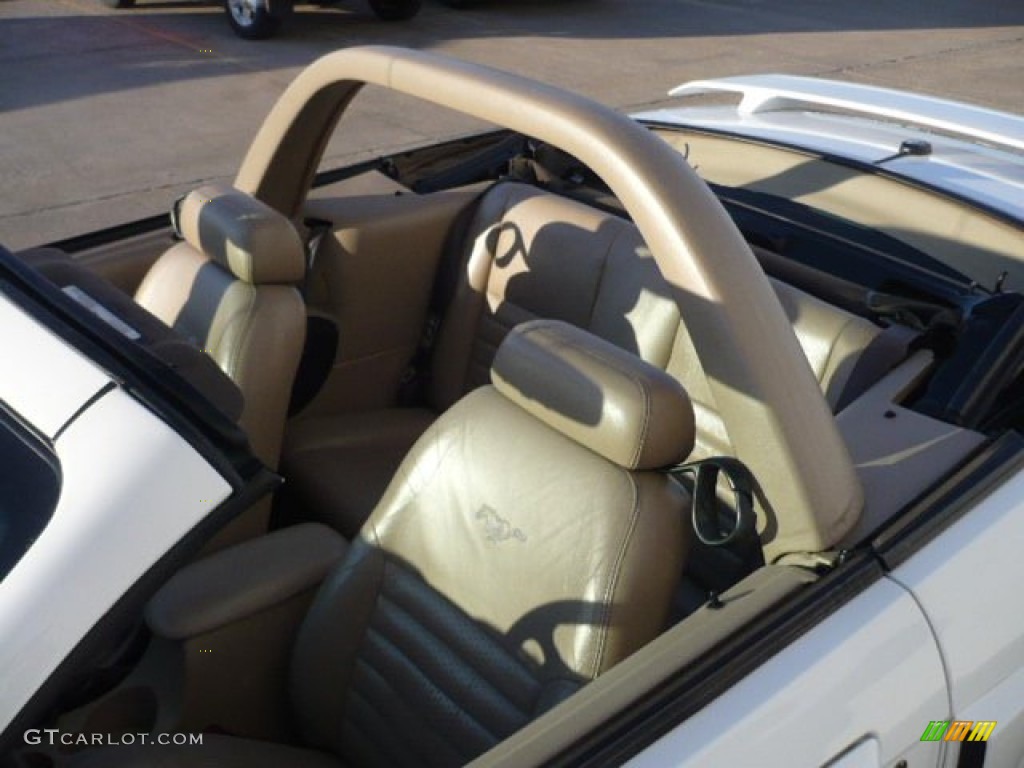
(613, 581)
(423, 679)
(609, 249)
(637, 381)
(480, 672)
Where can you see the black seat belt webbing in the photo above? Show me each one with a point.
(709, 515)
(414, 384)
(317, 230)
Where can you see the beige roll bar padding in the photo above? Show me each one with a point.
(762, 385)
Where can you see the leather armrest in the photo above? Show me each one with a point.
(244, 580)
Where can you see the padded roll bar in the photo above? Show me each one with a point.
(763, 387)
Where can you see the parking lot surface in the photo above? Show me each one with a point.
(106, 116)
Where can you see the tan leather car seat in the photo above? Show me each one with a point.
(229, 288)
(526, 254)
(525, 547)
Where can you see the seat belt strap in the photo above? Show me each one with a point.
(717, 524)
(415, 380)
(316, 233)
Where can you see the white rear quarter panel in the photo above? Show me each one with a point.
(968, 581)
(870, 671)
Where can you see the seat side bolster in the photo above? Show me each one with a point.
(327, 647)
(832, 339)
(652, 558)
(253, 325)
(166, 288)
(453, 351)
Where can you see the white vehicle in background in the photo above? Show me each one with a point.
(832, 272)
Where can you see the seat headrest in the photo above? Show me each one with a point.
(612, 402)
(249, 238)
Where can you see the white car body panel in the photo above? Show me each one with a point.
(44, 380)
(872, 670)
(131, 488)
(877, 669)
(866, 754)
(975, 564)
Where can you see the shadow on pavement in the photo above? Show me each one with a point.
(48, 58)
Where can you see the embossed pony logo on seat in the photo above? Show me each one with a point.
(498, 529)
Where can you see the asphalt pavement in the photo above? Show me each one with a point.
(107, 115)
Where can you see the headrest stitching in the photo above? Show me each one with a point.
(645, 427)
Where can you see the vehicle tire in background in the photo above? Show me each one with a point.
(395, 10)
(118, 3)
(252, 19)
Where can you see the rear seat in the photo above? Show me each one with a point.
(529, 254)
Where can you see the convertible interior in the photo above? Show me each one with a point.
(556, 419)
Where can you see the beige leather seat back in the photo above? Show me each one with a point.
(524, 547)
(229, 288)
(833, 341)
(531, 254)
